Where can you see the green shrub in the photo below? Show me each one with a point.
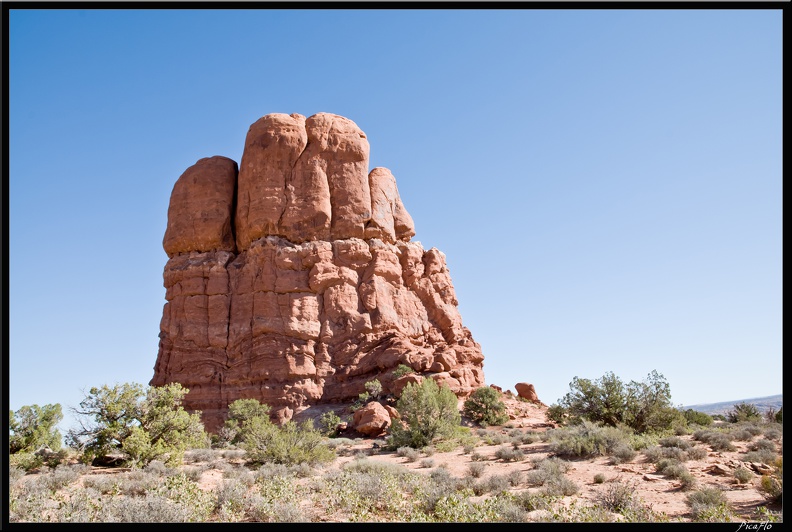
(696, 453)
(428, 412)
(764, 456)
(599, 478)
(484, 405)
(427, 462)
(402, 370)
(243, 414)
(643, 406)
(560, 486)
(742, 435)
(143, 423)
(742, 475)
(373, 388)
(328, 423)
(718, 441)
(773, 433)
(291, 443)
(709, 505)
(545, 470)
(586, 440)
(618, 497)
(34, 426)
(743, 412)
(26, 461)
(694, 417)
(621, 453)
(508, 455)
(763, 445)
(476, 469)
(773, 484)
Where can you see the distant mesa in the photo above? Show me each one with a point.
(292, 278)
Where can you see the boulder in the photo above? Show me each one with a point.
(372, 419)
(526, 391)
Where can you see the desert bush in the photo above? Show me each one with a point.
(234, 454)
(291, 443)
(506, 509)
(618, 497)
(718, 441)
(14, 474)
(773, 484)
(763, 456)
(509, 455)
(157, 467)
(643, 406)
(428, 412)
(545, 470)
(656, 453)
(185, 492)
(240, 473)
(366, 488)
(103, 484)
(696, 453)
(477, 457)
(670, 467)
(742, 475)
(485, 405)
(773, 433)
(402, 370)
(153, 508)
(409, 453)
(199, 455)
(515, 477)
(741, 435)
(763, 444)
(26, 461)
(529, 437)
(694, 417)
(144, 423)
(599, 478)
(709, 505)
(468, 448)
(586, 440)
(34, 426)
(675, 441)
(531, 501)
(136, 483)
(560, 486)
(743, 412)
(328, 423)
(427, 462)
(61, 476)
(498, 483)
(374, 388)
(621, 453)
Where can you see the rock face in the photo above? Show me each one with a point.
(292, 279)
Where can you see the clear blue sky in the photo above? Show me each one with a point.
(606, 184)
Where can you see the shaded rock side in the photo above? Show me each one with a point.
(293, 279)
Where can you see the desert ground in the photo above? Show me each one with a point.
(665, 496)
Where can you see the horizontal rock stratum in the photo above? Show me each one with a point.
(292, 278)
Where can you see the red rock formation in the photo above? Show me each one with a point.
(295, 282)
(527, 391)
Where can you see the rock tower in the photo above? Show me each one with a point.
(292, 278)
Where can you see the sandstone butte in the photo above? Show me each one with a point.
(292, 278)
